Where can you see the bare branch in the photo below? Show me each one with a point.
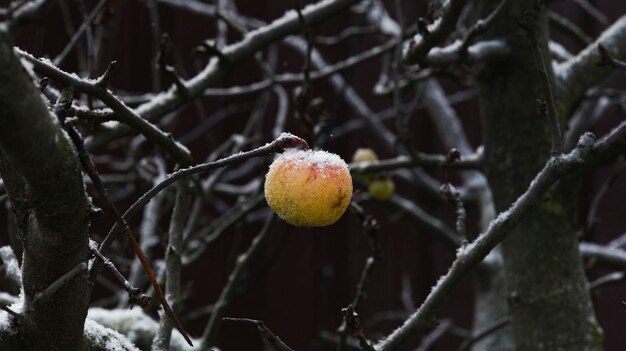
(254, 41)
(44, 296)
(284, 141)
(472, 254)
(611, 255)
(575, 76)
(473, 161)
(433, 225)
(241, 264)
(122, 112)
(134, 294)
(265, 332)
(173, 262)
(569, 28)
(26, 12)
(435, 33)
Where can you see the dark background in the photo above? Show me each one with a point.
(303, 277)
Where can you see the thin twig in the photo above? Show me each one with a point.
(123, 113)
(45, 295)
(241, 264)
(569, 28)
(481, 334)
(265, 332)
(354, 325)
(61, 109)
(26, 12)
(371, 228)
(431, 338)
(86, 23)
(454, 198)
(435, 34)
(135, 296)
(284, 141)
(607, 59)
(611, 278)
(475, 252)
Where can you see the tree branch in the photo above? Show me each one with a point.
(573, 77)
(471, 255)
(234, 54)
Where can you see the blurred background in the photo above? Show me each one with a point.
(300, 279)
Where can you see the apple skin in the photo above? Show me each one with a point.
(308, 188)
(381, 189)
(364, 155)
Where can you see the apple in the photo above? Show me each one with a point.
(308, 188)
(381, 189)
(364, 155)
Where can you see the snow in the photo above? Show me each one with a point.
(138, 327)
(6, 319)
(464, 249)
(6, 322)
(106, 339)
(10, 262)
(320, 159)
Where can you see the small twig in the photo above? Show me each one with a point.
(173, 261)
(284, 141)
(606, 59)
(370, 227)
(178, 81)
(454, 198)
(586, 150)
(83, 27)
(209, 48)
(570, 28)
(243, 260)
(346, 33)
(432, 35)
(488, 330)
(265, 332)
(25, 12)
(529, 24)
(103, 80)
(435, 227)
(122, 113)
(302, 94)
(44, 296)
(592, 218)
(586, 6)
(423, 160)
(135, 296)
(351, 319)
(480, 27)
(8, 310)
(61, 109)
(431, 338)
(610, 278)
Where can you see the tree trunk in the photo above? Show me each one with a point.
(44, 182)
(549, 303)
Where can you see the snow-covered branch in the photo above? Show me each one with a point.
(472, 254)
(576, 75)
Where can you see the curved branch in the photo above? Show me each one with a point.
(472, 254)
(233, 54)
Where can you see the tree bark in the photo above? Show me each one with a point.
(44, 182)
(549, 303)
